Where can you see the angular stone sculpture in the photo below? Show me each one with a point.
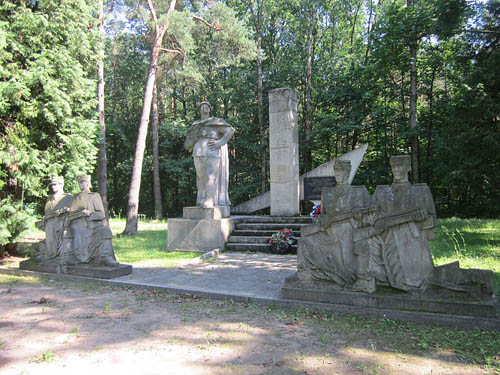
(326, 249)
(56, 209)
(361, 243)
(77, 240)
(382, 248)
(207, 139)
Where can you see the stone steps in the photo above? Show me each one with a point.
(252, 233)
(258, 233)
(270, 226)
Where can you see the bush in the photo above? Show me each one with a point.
(15, 222)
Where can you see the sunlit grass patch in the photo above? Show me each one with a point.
(148, 247)
(475, 243)
(12, 279)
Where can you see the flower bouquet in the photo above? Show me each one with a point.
(281, 241)
(316, 210)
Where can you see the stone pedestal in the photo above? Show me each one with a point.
(216, 213)
(82, 269)
(200, 229)
(284, 152)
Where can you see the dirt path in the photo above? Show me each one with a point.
(69, 328)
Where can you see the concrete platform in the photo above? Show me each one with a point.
(255, 278)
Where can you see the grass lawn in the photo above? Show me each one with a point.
(475, 243)
(148, 247)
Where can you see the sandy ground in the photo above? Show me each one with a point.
(70, 328)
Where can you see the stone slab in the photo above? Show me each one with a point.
(198, 213)
(46, 267)
(98, 272)
(198, 235)
(86, 270)
(487, 308)
(314, 185)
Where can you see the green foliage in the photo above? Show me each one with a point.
(15, 221)
(47, 91)
(360, 92)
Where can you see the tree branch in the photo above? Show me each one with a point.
(152, 10)
(175, 50)
(214, 27)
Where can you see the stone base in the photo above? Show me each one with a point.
(98, 272)
(198, 234)
(198, 213)
(37, 266)
(452, 303)
(86, 270)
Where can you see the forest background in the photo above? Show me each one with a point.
(413, 76)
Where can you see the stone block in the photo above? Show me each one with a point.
(198, 235)
(198, 213)
(285, 199)
(34, 265)
(387, 300)
(282, 99)
(97, 271)
(82, 269)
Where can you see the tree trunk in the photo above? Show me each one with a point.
(156, 158)
(308, 103)
(102, 172)
(413, 105)
(135, 181)
(260, 115)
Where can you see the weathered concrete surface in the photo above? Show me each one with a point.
(284, 152)
(263, 200)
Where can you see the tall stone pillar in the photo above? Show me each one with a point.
(284, 152)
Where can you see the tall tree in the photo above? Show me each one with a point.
(48, 119)
(159, 29)
(230, 45)
(102, 168)
(156, 158)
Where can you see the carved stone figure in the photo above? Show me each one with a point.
(404, 222)
(91, 240)
(56, 209)
(208, 138)
(326, 250)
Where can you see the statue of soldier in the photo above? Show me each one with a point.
(207, 139)
(405, 216)
(91, 239)
(56, 209)
(326, 250)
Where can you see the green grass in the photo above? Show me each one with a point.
(475, 243)
(148, 247)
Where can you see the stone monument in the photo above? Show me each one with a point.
(77, 240)
(380, 246)
(326, 249)
(284, 152)
(207, 225)
(56, 209)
